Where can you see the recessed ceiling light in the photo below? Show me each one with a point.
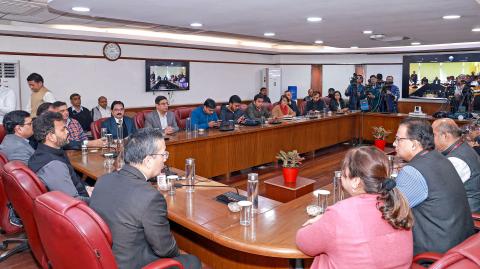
(314, 19)
(451, 17)
(476, 29)
(415, 43)
(81, 9)
(269, 34)
(377, 36)
(354, 47)
(196, 24)
(367, 32)
(318, 42)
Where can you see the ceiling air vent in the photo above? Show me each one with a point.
(384, 38)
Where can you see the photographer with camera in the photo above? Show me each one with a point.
(355, 92)
(373, 94)
(389, 96)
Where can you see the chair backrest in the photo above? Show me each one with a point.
(181, 115)
(269, 106)
(3, 132)
(465, 255)
(302, 107)
(22, 187)
(5, 225)
(96, 126)
(327, 100)
(81, 239)
(139, 118)
(218, 108)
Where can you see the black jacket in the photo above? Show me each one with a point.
(84, 117)
(137, 216)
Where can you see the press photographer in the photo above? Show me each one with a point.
(355, 92)
(373, 94)
(390, 94)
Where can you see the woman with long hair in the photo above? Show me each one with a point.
(282, 109)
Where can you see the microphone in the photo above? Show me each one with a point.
(179, 185)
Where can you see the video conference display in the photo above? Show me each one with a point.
(167, 76)
(436, 76)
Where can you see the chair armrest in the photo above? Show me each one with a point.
(430, 256)
(163, 263)
(476, 216)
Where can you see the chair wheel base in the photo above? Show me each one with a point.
(20, 248)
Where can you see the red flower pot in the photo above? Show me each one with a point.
(380, 144)
(290, 175)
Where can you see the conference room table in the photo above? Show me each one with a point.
(205, 227)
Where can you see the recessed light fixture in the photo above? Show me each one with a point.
(354, 47)
(81, 9)
(451, 17)
(368, 32)
(314, 19)
(415, 43)
(269, 34)
(377, 36)
(476, 29)
(196, 24)
(318, 42)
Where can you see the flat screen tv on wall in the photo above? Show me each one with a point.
(167, 75)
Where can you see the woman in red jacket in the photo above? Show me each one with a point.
(371, 229)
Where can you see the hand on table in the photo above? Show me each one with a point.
(312, 220)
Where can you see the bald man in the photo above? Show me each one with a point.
(448, 140)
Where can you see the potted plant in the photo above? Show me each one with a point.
(291, 161)
(379, 133)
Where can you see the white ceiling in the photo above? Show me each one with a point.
(342, 25)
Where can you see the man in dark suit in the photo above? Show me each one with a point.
(162, 118)
(134, 210)
(118, 116)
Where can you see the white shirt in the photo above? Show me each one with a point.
(163, 120)
(47, 98)
(8, 101)
(105, 112)
(118, 120)
(461, 167)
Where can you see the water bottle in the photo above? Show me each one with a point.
(120, 130)
(252, 190)
(188, 125)
(190, 174)
(337, 187)
(84, 149)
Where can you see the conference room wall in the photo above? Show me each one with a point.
(65, 73)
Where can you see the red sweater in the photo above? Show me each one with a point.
(352, 234)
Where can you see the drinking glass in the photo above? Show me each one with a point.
(322, 199)
(103, 134)
(171, 184)
(245, 212)
(109, 140)
(108, 163)
(162, 182)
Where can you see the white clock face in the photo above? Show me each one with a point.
(112, 51)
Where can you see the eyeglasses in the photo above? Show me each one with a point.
(398, 139)
(165, 154)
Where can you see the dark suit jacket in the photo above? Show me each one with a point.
(152, 120)
(137, 216)
(294, 107)
(111, 126)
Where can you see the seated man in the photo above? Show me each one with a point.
(118, 112)
(256, 110)
(80, 113)
(44, 108)
(162, 118)
(102, 110)
(448, 141)
(204, 117)
(76, 136)
(316, 104)
(292, 103)
(135, 212)
(264, 94)
(50, 162)
(15, 145)
(232, 111)
(433, 190)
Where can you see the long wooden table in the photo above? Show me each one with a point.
(206, 228)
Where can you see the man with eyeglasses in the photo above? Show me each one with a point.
(433, 190)
(118, 117)
(162, 118)
(15, 145)
(136, 212)
(205, 117)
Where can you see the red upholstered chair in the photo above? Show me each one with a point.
(22, 187)
(269, 106)
(5, 225)
(243, 107)
(96, 126)
(217, 110)
(181, 115)
(81, 239)
(465, 255)
(3, 132)
(139, 118)
(302, 107)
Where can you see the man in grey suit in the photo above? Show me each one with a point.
(15, 145)
(161, 118)
(135, 211)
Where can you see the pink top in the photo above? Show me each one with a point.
(352, 234)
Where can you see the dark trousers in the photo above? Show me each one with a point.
(189, 261)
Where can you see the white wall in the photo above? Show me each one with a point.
(296, 75)
(337, 77)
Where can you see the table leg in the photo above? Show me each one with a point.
(296, 263)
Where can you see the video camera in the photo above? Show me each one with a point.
(353, 79)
